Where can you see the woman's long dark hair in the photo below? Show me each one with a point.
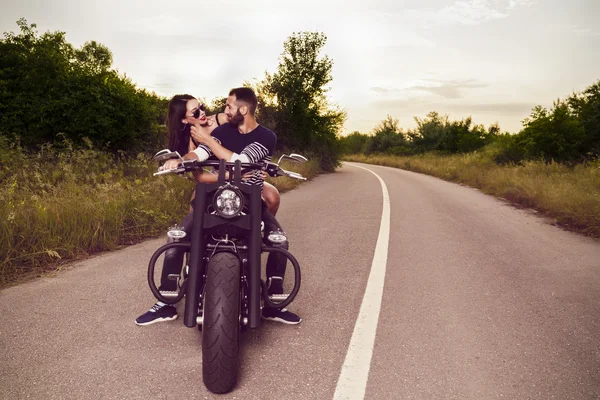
(179, 133)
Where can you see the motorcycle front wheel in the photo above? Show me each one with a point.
(221, 323)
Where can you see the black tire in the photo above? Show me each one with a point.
(221, 323)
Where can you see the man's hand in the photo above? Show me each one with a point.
(199, 134)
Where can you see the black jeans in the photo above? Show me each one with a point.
(276, 263)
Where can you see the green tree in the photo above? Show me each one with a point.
(388, 137)
(217, 105)
(94, 56)
(555, 134)
(438, 133)
(586, 108)
(294, 100)
(429, 131)
(354, 143)
(47, 88)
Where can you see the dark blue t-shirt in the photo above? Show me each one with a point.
(258, 145)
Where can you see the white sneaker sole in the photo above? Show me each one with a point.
(162, 319)
(283, 321)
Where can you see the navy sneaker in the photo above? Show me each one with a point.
(283, 316)
(158, 313)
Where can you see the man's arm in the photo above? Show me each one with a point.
(259, 150)
(253, 153)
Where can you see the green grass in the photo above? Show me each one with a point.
(570, 195)
(58, 205)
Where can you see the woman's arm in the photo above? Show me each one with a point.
(191, 145)
(221, 121)
(215, 147)
(216, 120)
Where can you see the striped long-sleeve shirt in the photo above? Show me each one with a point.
(256, 146)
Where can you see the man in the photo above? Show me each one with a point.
(244, 139)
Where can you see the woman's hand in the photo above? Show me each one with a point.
(199, 134)
(171, 164)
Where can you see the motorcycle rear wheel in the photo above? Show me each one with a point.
(221, 323)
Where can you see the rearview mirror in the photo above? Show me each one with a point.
(293, 157)
(166, 154)
(298, 158)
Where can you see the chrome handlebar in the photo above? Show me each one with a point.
(271, 168)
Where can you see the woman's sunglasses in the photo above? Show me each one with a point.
(202, 108)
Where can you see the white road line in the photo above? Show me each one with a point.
(352, 381)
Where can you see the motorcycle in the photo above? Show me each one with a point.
(221, 281)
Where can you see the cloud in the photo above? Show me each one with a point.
(408, 39)
(422, 106)
(380, 90)
(449, 89)
(467, 12)
(183, 30)
(586, 32)
(578, 30)
(471, 12)
(161, 87)
(520, 3)
(500, 108)
(161, 25)
(508, 114)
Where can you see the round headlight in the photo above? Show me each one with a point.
(228, 202)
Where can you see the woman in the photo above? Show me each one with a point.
(184, 111)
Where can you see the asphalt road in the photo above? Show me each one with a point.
(481, 301)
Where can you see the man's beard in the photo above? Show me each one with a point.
(237, 119)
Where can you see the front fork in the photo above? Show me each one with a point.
(198, 263)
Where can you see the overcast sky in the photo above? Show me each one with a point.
(491, 59)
